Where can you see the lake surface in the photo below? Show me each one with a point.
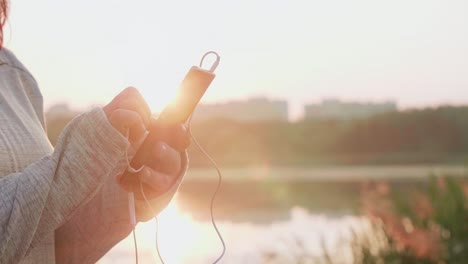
(183, 240)
(266, 215)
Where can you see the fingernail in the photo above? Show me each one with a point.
(162, 148)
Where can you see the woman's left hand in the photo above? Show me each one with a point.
(166, 162)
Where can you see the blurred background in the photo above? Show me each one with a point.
(341, 127)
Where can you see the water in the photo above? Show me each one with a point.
(183, 240)
(256, 222)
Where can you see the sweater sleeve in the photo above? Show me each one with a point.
(104, 221)
(39, 199)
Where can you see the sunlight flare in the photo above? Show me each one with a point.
(178, 234)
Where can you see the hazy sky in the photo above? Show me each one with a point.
(86, 51)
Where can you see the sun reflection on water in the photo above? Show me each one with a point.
(177, 234)
(185, 240)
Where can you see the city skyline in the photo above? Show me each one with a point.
(277, 109)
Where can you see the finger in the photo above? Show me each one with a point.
(177, 136)
(165, 159)
(130, 99)
(135, 105)
(127, 121)
(132, 92)
(158, 182)
(181, 138)
(127, 93)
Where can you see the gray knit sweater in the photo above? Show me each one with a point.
(57, 205)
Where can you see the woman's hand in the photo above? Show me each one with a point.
(129, 113)
(163, 162)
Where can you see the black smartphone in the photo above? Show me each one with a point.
(188, 95)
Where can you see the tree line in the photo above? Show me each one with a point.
(431, 135)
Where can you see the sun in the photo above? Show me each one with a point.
(158, 98)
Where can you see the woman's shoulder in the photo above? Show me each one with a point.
(9, 58)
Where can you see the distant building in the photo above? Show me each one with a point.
(255, 109)
(336, 109)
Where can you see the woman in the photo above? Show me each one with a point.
(66, 205)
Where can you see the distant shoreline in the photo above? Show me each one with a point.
(262, 193)
(328, 173)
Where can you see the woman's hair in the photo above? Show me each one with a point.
(3, 18)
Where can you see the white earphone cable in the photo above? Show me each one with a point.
(211, 203)
(132, 170)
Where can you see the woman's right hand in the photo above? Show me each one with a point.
(130, 115)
